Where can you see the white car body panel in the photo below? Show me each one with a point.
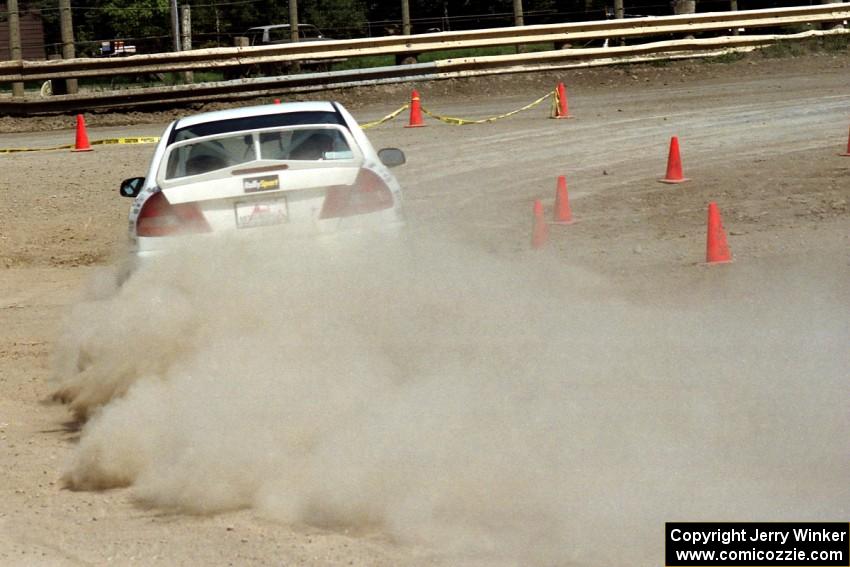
(290, 180)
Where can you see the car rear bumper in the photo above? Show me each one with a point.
(148, 248)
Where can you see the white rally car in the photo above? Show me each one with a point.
(305, 168)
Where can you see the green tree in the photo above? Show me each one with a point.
(337, 18)
(137, 18)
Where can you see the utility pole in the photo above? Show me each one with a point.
(685, 7)
(66, 29)
(831, 25)
(619, 14)
(186, 36)
(293, 20)
(295, 66)
(405, 17)
(15, 41)
(518, 19)
(175, 25)
(733, 6)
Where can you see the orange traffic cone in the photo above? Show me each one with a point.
(563, 214)
(415, 111)
(82, 142)
(847, 153)
(540, 232)
(674, 164)
(716, 249)
(560, 109)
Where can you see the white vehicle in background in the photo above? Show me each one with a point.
(280, 33)
(304, 169)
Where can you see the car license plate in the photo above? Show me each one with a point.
(250, 214)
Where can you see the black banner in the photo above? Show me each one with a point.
(757, 544)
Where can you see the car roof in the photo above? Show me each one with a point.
(280, 26)
(266, 109)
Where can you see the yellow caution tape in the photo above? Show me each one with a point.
(19, 150)
(556, 106)
(108, 141)
(464, 121)
(389, 116)
(136, 140)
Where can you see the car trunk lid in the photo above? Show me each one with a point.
(245, 182)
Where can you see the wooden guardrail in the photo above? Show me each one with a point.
(559, 34)
(16, 71)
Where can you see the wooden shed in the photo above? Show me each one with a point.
(32, 34)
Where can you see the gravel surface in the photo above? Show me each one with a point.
(759, 136)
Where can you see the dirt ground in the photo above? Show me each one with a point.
(759, 136)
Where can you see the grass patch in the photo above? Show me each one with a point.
(783, 49)
(835, 42)
(726, 58)
(482, 52)
(366, 62)
(795, 48)
(208, 76)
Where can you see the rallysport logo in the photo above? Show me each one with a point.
(267, 183)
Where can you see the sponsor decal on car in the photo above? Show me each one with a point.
(265, 183)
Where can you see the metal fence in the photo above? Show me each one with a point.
(670, 36)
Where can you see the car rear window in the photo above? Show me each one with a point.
(256, 122)
(299, 143)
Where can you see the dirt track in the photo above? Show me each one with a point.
(760, 137)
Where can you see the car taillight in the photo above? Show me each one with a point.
(158, 217)
(368, 194)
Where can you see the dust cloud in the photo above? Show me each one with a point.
(495, 408)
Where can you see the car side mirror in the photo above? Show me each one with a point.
(391, 157)
(131, 187)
